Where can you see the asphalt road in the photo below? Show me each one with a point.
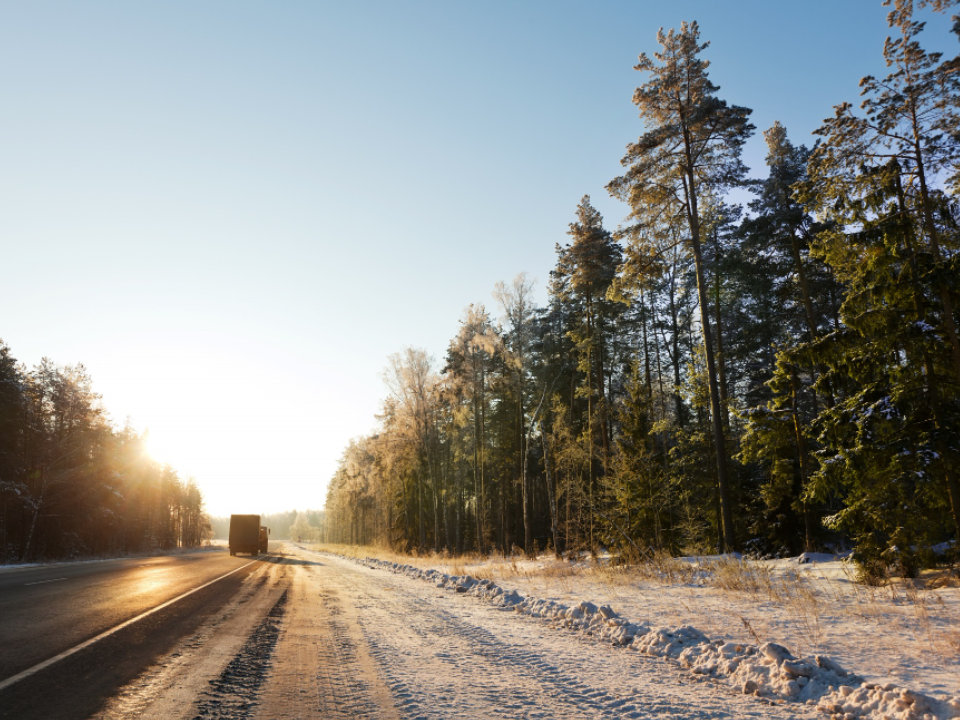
(45, 611)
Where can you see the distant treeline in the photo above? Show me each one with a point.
(707, 378)
(282, 525)
(71, 485)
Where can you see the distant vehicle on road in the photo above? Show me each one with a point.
(247, 535)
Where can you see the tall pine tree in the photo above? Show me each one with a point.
(692, 146)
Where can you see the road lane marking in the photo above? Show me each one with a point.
(41, 582)
(107, 633)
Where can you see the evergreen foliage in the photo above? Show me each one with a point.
(779, 378)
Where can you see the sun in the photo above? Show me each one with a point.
(155, 447)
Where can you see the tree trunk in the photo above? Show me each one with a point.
(929, 225)
(724, 402)
(675, 355)
(804, 465)
(715, 406)
(590, 417)
(551, 495)
(648, 382)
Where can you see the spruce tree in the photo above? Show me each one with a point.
(872, 177)
(774, 262)
(889, 444)
(912, 116)
(585, 272)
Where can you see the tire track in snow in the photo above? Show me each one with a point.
(321, 668)
(442, 664)
(578, 695)
(344, 693)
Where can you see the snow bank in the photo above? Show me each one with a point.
(769, 671)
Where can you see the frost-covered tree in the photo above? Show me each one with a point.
(516, 302)
(302, 531)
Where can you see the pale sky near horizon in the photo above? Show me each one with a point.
(232, 212)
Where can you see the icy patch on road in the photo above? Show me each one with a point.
(768, 671)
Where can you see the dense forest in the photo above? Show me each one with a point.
(773, 378)
(71, 485)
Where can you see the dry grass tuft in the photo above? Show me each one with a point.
(949, 578)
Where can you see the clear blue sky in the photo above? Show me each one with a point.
(232, 212)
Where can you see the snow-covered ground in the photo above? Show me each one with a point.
(447, 654)
(799, 633)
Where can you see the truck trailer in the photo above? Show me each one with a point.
(245, 534)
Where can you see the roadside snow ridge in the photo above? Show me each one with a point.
(769, 671)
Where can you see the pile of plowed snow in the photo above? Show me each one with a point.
(769, 671)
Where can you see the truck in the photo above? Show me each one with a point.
(245, 534)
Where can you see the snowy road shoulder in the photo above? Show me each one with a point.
(768, 671)
(445, 657)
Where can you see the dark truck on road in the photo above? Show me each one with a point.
(247, 535)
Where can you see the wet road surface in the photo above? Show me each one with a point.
(47, 610)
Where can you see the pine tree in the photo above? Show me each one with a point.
(639, 497)
(12, 487)
(777, 438)
(469, 366)
(516, 301)
(411, 381)
(692, 146)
